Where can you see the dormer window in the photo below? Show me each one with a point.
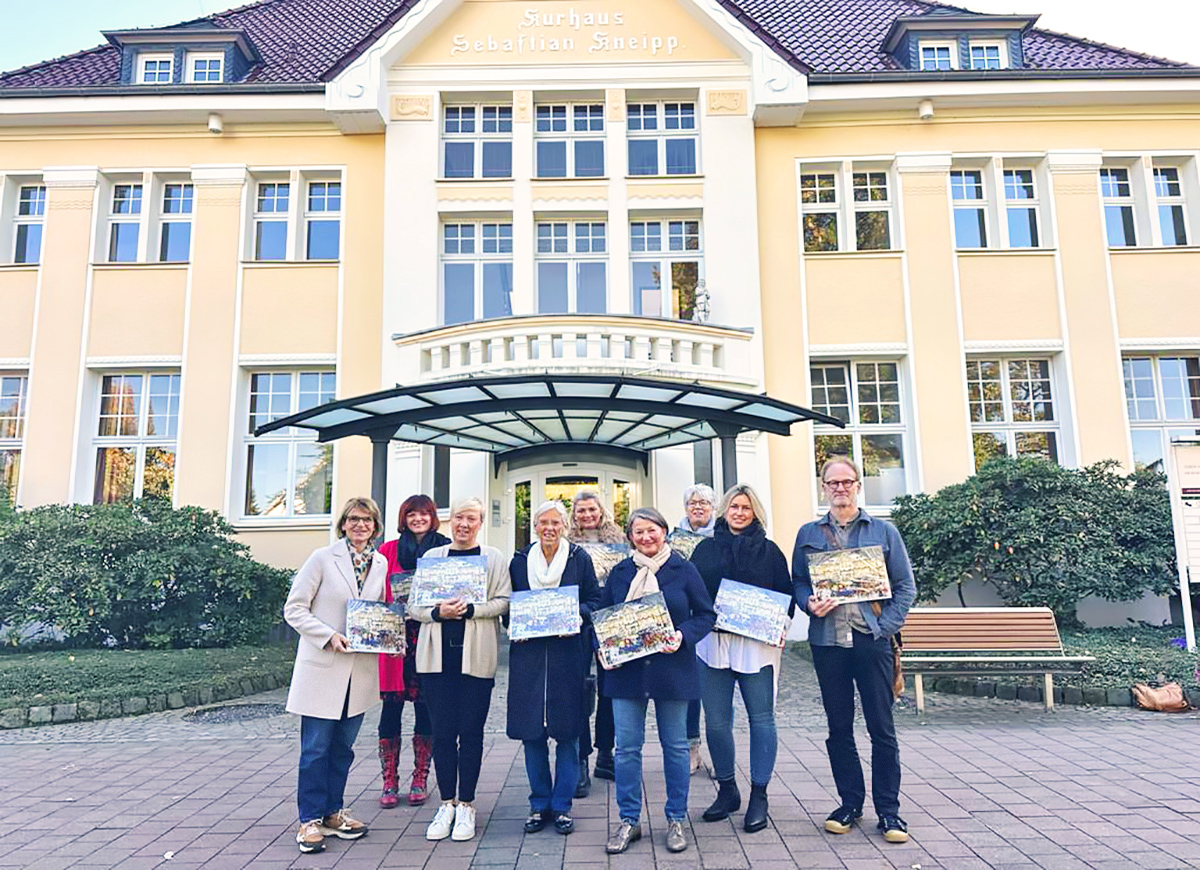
(204, 67)
(156, 69)
(938, 56)
(988, 55)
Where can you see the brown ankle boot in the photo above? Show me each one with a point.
(422, 751)
(389, 754)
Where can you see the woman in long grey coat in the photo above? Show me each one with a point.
(332, 687)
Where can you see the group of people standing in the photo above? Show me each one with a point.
(448, 673)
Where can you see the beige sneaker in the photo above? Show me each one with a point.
(341, 825)
(443, 821)
(309, 838)
(464, 823)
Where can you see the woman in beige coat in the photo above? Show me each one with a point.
(331, 686)
(456, 658)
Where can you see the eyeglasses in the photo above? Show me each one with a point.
(360, 521)
(695, 503)
(840, 484)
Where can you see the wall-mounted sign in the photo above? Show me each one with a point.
(568, 30)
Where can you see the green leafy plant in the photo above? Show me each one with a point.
(1043, 535)
(133, 575)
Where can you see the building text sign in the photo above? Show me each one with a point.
(539, 31)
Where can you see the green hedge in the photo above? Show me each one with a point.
(133, 576)
(1125, 656)
(41, 679)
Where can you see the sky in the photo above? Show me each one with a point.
(43, 29)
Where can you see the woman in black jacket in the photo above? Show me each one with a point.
(547, 674)
(740, 550)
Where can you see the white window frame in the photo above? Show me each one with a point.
(1011, 428)
(820, 193)
(491, 244)
(115, 218)
(142, 440)
(571, 255)
(207, 56)
(167, 218)
(983, 204)
(1014, 204)
(1112, 198)
(478, 136)
(13, 442)
(949, 45)
(1001, 46)
(264, 189)
(327, 214)
(589, 113)
(155, 57)
(1168, 200)
(856, 430)
(664, 246)
(290, 437)
(36, 217)
(661, 133)
(832, 187)
(1159, 423)
(857, 207)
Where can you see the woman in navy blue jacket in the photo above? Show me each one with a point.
(546, 674)
(670, 678)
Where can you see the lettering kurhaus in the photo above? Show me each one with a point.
(597, 41)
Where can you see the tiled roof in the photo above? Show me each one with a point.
(308, 41)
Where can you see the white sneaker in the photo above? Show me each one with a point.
(439, 828)
(464, 822)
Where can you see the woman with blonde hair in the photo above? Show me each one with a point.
(332, 687)
(456, 658)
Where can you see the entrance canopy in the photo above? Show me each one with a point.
(516, 416)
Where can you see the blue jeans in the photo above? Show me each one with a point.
(629, 717)
(326, 753)
(868, 664)
(546, 794)
(758, 694)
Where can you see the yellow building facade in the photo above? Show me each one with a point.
(958, 234)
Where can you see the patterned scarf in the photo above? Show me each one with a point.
(645, 581)
(362, 561)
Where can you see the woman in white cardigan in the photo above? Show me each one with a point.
(331, 686)
(456, 658)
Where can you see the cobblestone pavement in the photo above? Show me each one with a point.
(987, 784)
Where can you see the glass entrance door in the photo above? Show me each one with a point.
(618, 490)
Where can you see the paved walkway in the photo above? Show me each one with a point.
(987, 784)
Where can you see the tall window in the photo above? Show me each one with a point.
(135, 437)
(872, 212)
(477, 141)
(1012, 408)
(1021, 203)
(1168, 193)
(12, 432)
(288, 474)
(569, 140)
(938, 56)
(271, 220)
(970, 208)
(1118, 206)
(1162, 394)
(156, 69)
(322, 220)
(867, 396)
(175, 232)
(666, 256)
(662, 138)
(124, 223)
(572, 267)
(819, 203)
(31, 211)
(477, 271)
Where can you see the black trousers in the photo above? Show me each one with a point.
(458, 708)
(393, 708)
(868, 664)
(606, 731)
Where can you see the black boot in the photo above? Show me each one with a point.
(605, 768)
(756, 809)
(584, 786)
(729, 800)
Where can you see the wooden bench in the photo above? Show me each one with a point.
(985, 640)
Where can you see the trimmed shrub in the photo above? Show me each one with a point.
(133, 576)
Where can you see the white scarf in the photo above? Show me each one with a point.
(547, 576)
(645, 581)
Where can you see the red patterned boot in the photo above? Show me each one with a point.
(422, 750)
(389, 754)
